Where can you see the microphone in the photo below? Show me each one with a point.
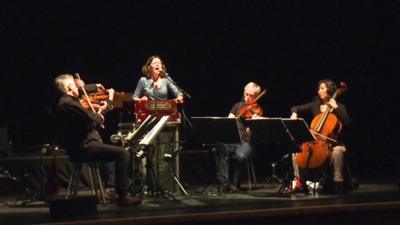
(165, 74)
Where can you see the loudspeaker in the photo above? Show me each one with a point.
(64, 208)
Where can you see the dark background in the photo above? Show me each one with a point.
(212, 49)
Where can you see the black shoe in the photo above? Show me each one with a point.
(110, 195)
(338, 188)
(234, 188)
(224, 188)
(129, 200)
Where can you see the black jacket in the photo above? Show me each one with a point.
(75, 126)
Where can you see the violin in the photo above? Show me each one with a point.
(86, 96)
(97, 98)
(248, 110)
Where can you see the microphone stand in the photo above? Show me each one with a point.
(183, 92)
(180, 89)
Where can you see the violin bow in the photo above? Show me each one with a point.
(85, 94)
(259, 96)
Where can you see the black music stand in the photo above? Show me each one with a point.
(145, 126)
(147, 146)
(209, 131)
(279, 130)
(299, 130)
(282, 131)
(131, 143)
(212, 130)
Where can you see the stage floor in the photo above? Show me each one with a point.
(371, 201)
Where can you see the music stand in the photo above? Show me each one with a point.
(146, 145)
(282, 131)
(279, 130)
(144, 127)
(299, 130)
(212, 130)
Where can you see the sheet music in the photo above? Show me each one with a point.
(142, 125)
(153, 132)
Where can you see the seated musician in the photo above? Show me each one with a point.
(77, 133)
(239, 153)
(107, 167)
(325, 88)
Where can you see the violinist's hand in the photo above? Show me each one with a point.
(103, 107)
(293, 116)
(111, 93)
(79, 83)
(100, 87)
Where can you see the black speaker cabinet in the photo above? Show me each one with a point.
(64, 208)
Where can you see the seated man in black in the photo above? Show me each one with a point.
(76, 132)
(241, 152)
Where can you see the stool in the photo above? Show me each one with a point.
(251, 174)
(73, 181)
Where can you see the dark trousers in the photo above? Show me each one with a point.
(110, 153)
(223, 153)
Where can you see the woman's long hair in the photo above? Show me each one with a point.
(146, 66)
(330, 85)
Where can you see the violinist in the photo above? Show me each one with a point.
(239, 153)
(98, 96)
(76, 132)
(325, 89)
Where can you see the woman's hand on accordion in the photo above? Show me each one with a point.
(179, 99)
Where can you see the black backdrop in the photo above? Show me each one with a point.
(211, 49)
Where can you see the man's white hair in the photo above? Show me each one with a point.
(62, 82)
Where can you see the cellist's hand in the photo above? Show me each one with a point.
(332, 103)
(293, 116)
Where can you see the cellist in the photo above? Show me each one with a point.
(323, 101)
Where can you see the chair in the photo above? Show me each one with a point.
(74, 179)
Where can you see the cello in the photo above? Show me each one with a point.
(325, 127)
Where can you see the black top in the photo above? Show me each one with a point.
(75, 125)
(313, 108)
